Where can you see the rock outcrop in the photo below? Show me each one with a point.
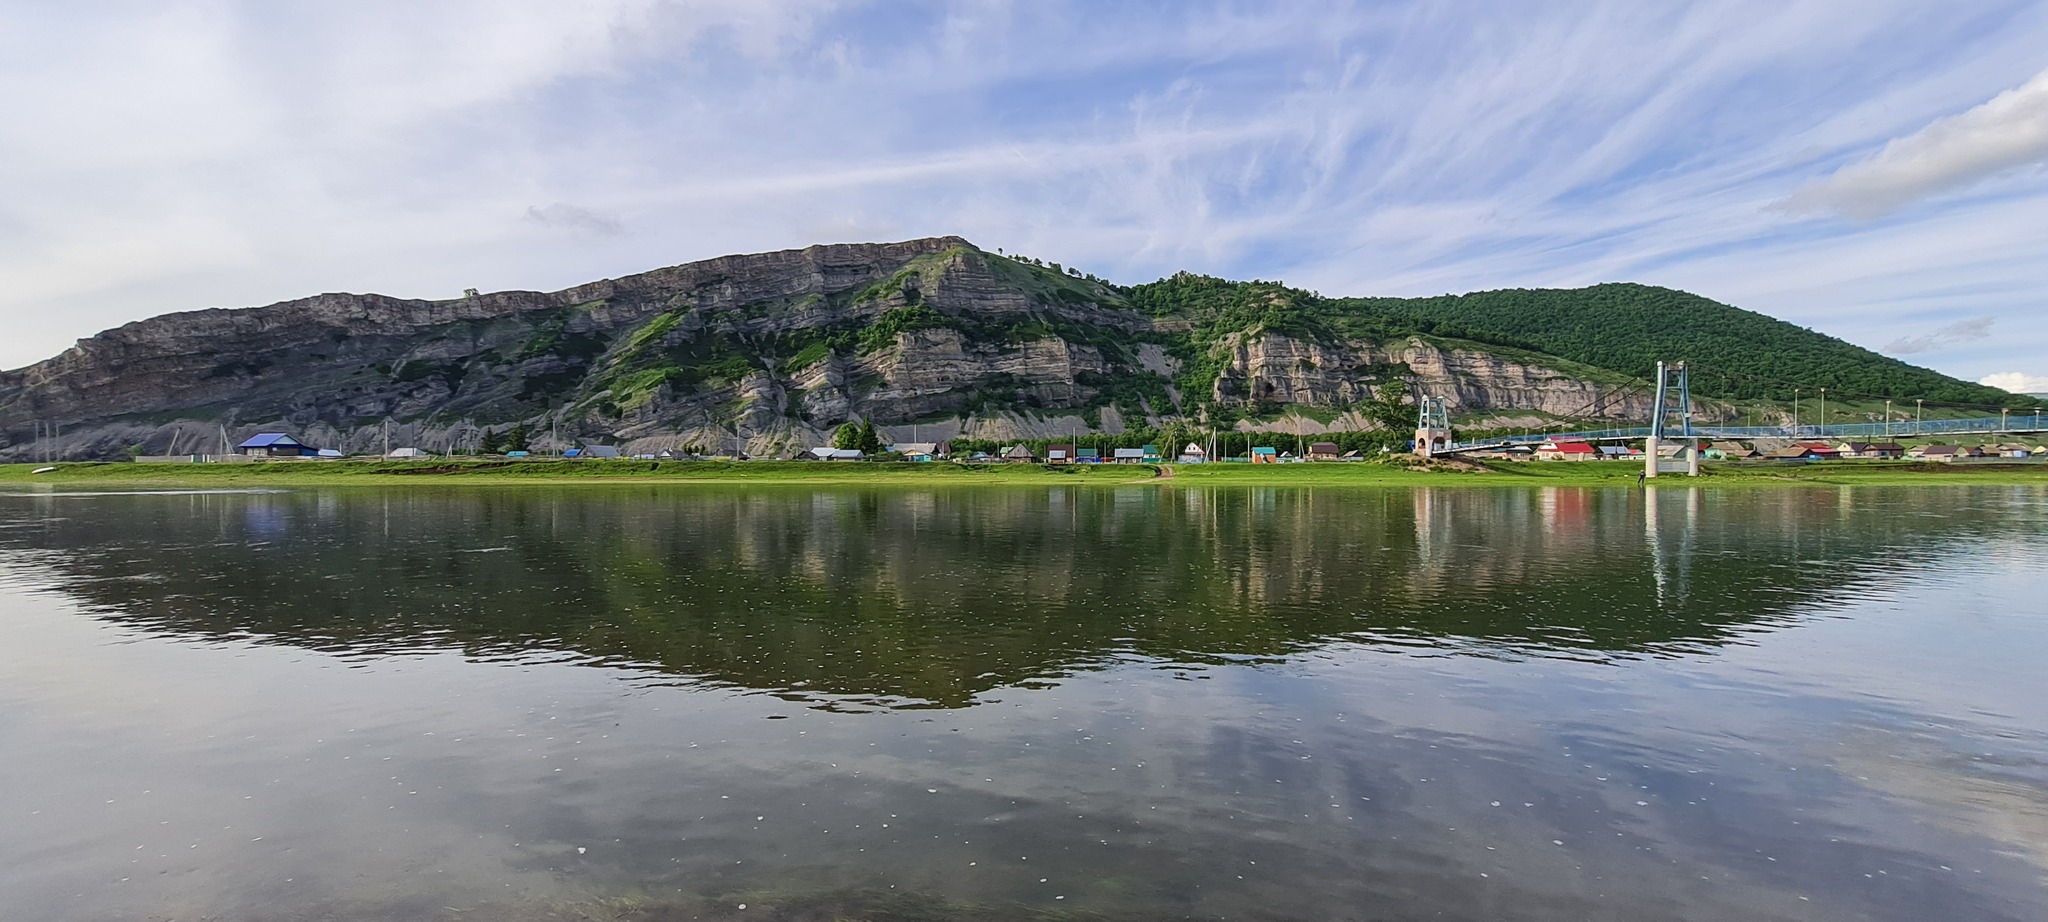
(766, 353)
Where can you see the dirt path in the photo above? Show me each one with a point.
(1165, 472)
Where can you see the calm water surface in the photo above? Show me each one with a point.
(1120, 703)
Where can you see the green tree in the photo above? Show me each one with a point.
(492, 443)
(848, 436)
(1389, 407)
(516, 439)
(869, 441)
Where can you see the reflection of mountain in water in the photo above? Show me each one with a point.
(933, 597)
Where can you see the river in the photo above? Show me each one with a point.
(654, 702)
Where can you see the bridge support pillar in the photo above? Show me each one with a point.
(1674, 405)
(1432, 426)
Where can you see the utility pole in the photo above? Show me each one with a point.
(1887, 418)
(1919, 414)
(1795, 412)
(1823, 412)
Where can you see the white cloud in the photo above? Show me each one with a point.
(2018, 382)
(1952, 153)
(576, 218)
(1959, 332)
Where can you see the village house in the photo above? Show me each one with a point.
(1018, 454)
(1059, 454)
(1128, 456)
(1730, 451)
(1800, 452)
(1151, 454)
(837, 454)
(1265, 454)
(1566, 451)
(921, 451)
(1193, 454)
(276, 445)
(1943, 453)
(1871, 451)
(1323, 451)
(2011, 451)
(1088, 455)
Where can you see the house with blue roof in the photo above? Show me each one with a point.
(276, 445)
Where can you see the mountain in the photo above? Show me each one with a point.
(772, 351)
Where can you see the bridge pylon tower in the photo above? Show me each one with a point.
(1671, 418)
(1432, 425)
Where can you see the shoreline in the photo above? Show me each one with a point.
(454, 472)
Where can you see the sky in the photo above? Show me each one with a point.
(1872, 169)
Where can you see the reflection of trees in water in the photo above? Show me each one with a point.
(905, 597)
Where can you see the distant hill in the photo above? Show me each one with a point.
(933, 337)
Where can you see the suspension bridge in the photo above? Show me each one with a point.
(1672, 421)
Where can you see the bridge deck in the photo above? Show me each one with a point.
(2030, 424)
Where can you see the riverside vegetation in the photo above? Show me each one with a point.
(1396, 471)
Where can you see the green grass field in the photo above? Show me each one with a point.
(476, 472)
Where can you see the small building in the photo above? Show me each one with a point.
(1798, 453)
(1264, 454)
(1059, 454)
(1128, 456)
(1871, 451)
(1151, 454)
(838, 454)
(405, 453)
(1323, 451)
(1822, 451)
(2012, 451)
(1019, 454)
(928, 450)
(1941, 453)
(600, 452)
(1352, 455)
(1566, 451)
(1193, 454)
(1088, 456)
(1730, 451)
(1623, 452)
(276, 445)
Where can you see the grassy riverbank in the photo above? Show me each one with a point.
(466, 471)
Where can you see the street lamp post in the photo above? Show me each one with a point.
(1887, 418)
(1823, 412)
(1795, 412)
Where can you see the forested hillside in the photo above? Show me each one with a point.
(1622, 328)
(1734, 353)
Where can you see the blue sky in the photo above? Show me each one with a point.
(1875, 170)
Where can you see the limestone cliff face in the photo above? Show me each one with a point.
(766, 353)
(1275, 369)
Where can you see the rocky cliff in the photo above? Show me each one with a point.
(765, 352)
